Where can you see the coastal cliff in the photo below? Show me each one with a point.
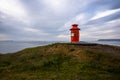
(62, 61)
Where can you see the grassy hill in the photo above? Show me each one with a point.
(62, 62)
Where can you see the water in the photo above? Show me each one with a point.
(14, 46)
(114, 43)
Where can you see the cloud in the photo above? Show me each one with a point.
(107, 30)
(52, 19)
(3, 37)
(15, 9)
(55, 5)
(103, 14)
(63, 36)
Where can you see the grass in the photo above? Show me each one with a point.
(62, 62)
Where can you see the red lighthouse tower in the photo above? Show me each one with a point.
(75, 33)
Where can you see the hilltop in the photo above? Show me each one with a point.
(62, 61)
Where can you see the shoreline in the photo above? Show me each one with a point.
(82, 43)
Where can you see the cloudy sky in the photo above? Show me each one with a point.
(51, 19)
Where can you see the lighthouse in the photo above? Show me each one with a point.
(75, 33)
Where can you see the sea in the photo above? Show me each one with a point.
(15, 46)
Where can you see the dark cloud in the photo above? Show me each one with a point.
(106, 3)
(104, 19)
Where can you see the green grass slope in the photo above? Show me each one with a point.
(62, 62)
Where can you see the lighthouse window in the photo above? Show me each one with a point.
(72, 34)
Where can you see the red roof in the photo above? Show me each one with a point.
(74, 27)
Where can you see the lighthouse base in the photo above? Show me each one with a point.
(82, 43)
